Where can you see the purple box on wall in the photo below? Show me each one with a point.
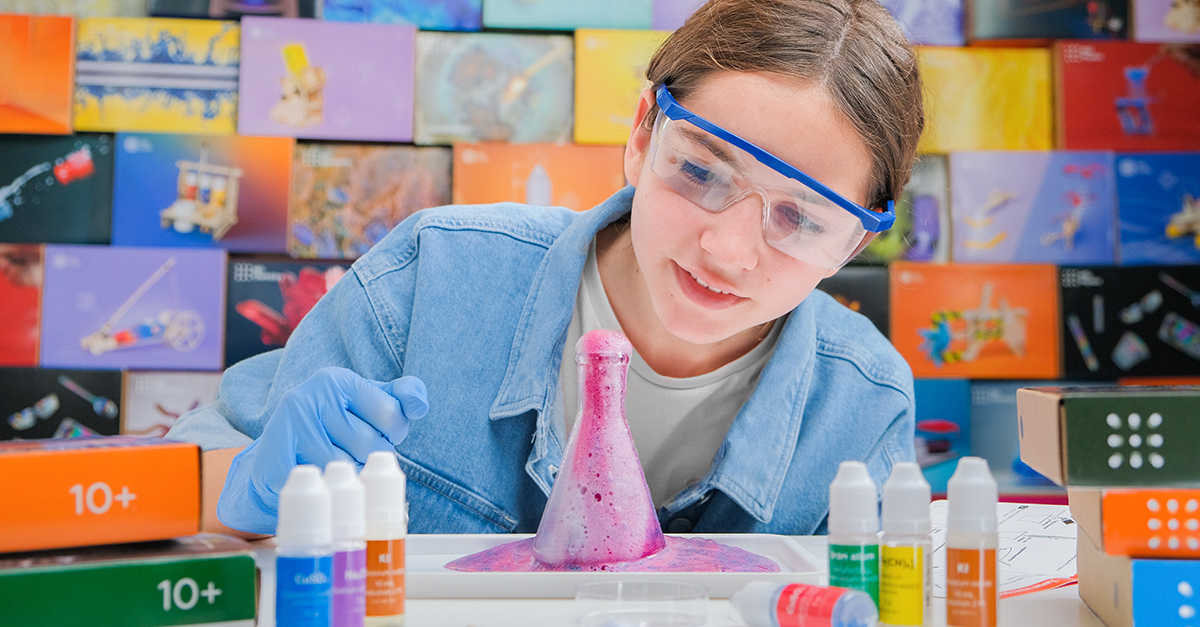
(1033, 207)
(1176, 21)
(326, 80)
(110, 307)
(671, 14)
(929, 22)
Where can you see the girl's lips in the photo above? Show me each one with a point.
(700, 294)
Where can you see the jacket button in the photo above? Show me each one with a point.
(679, 525)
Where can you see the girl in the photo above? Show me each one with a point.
(767, 153)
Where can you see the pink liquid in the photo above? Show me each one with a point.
(680, 555)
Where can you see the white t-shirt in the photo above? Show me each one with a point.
(679, 423)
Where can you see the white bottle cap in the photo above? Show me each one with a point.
(347, 499)
(906, 496)
(754, 604)
(304, 510)
(973, 494)
(386, 513)
(853, 507)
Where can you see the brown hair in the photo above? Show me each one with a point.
(854, 48)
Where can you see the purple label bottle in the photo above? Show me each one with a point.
(350, 587)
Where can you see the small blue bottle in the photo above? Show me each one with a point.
(304, 551)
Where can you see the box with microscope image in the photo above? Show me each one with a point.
(38, 54)
(562, 175)
(151, 400)
(1033, 207)
(610, 74)
(202, 191)
(1158, 207)
(1165, 21)
(922, 228)
(42, 403)
(56, 189)
(566, 14)
(125, 307)
(863, 289)
(976, 321)
(21, 272)
(493, 87)
(1130, 322)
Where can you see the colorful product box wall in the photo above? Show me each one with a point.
(610, 75)
(56, 189)
(563, 175)
(37, 53)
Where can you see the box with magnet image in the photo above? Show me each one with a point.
(50, 403)
(1158, 198)
(610, 74)
(124, 307)
(202, 191)
(347, 197)
(38, 54)
(317, 79)
(567, 14)
(1046, 19)
(56, 189)
(929, 22)
(1140, 522)
(1130, 322)
(1126, 96)
(562, 175)
(21, 272)
(267, 298)
(943, 428)
(1111, 436)
(1163, 21)
(156, 75)
(862, 289)
(1033, 207)
(475, 87)
(978, 321)
(151, 400)
(922, 228)
(463, 15)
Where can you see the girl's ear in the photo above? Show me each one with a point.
(638, 145)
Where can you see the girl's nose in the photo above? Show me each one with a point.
(734, 236)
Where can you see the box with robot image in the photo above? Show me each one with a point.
(157, 75)
(1047, 19)
(976, 321)
(268, 297)
(20, 303)
(1166, 21)
(151, 401)
(986, 99)
(462, 15)
(863, 289)
(929, 22)
(610, 74)
(922, 228)
(1126, 96)
(1158, 207)
(493, 87)
(44, 403)
(38, 54)
(567, 14)
(562, 175)
(56, 189)
(123, 307)
(1033, 207)
(943, 428)
(346, 197)
(202, 191)
(670, 14)
(317, 79)
(1130, 322)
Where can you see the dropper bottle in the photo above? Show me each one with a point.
(854, 530)
(304, 551)
(387, 526)
(971, 542)
(906, 573)
(349, 544)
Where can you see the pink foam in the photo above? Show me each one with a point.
(680, 555)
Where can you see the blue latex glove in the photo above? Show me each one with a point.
(333, 415)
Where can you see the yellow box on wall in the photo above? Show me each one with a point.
(610, 74)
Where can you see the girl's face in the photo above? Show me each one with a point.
(712, 275)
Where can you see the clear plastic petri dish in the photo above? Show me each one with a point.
(641, 604)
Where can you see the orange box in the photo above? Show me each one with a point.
(979, 321)
(37, 73)
(564, 175)
(103, 490)
(1140, 522)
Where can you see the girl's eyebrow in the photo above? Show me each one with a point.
(706, 140)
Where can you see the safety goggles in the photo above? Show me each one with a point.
(716, 169)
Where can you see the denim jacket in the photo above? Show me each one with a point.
(476, 300)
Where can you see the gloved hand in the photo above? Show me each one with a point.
(333, 415)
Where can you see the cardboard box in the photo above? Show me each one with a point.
(151, 401)
(122, 82)
(922, 228)
(1127, 592)
(1158, 198)
(90, 491)
(204, 192)
(562, 175)
(1045, 19)
(1033, 207)
(56, 190)
(610, 74)
(317, 79)
(21, 272)
(1140, 522)
(463, 15)
(1163, 21)
(43, 403)
(38, 56)
(566, 14)
(1111, 435)
(475, 87)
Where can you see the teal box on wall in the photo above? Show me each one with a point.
(567, 14)
(943, 427)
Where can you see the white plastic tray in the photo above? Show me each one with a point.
(427, 578)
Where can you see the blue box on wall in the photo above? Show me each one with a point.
(1158, 204)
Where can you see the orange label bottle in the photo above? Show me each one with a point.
(385, 580)
(971, 587)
